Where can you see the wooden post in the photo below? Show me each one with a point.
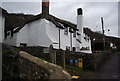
(63, 59)
(103, 32)
(51, 54)
(54, 57)
(71, 42)
(59, 38)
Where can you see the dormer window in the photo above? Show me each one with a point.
(78, 37)
(66, 31)
(86, 38)
(9, 34)
(74, 33)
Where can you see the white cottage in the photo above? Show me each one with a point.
(45, 30)
(3, 13)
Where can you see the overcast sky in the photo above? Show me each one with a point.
(93, 11)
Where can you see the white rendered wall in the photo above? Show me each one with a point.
(53, 33)
(34, 34)
(11, 40)
(73, 41)
(22, 35)
(83, 43)
(64, 39)
(45, 33)
(2, 23)
(44, 40)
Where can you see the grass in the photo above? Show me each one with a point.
(75, 70)
(72, 70)
(46, 59)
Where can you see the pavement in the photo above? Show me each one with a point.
(109, 70)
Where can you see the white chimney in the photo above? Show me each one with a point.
(80, 20)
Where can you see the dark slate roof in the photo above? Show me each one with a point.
(99, 36)
(49, 17)
(3, 12)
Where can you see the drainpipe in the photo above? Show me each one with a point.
(59, 38)
(71, 40)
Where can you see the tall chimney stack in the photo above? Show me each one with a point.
(80, 20)
(45, 7)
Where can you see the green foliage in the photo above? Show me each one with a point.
(13, 19)
(46, 59)
(9, 65)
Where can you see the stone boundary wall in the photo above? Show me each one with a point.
(21, 65)
(90, 61)
(55, 71)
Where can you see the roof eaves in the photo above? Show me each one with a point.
(65, 22)
(22, 24)
(3, 12)
(49, 17)
(54, 22)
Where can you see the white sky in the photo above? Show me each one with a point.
(92, 11)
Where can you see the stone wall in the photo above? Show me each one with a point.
(55, 71)
(90, 61)
(30, 70)
(21, 65)
(34, 50)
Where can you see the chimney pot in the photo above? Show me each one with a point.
(45, 3)
(79, 11)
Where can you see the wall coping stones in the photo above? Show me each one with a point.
(55, 71)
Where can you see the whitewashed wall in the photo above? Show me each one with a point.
(85, 44)
(11, 40)
(2, 23)
(53, 34)
(44, 33)
(22, 35)
(34, 34)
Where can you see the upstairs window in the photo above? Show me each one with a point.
(66, 31)
(74, 33)
(78, 37)
(87, 38)
(11, 33)
(8, 34)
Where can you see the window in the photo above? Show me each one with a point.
(66, 31)
(74, 49)
(23, 44)
(5, 35)
(87, 38)
(8, 34)
(74, 33)
(67, 48)
(79, 37)
(11, 33)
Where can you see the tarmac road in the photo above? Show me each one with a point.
(110, 68)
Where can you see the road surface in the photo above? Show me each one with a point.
(110, 68)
